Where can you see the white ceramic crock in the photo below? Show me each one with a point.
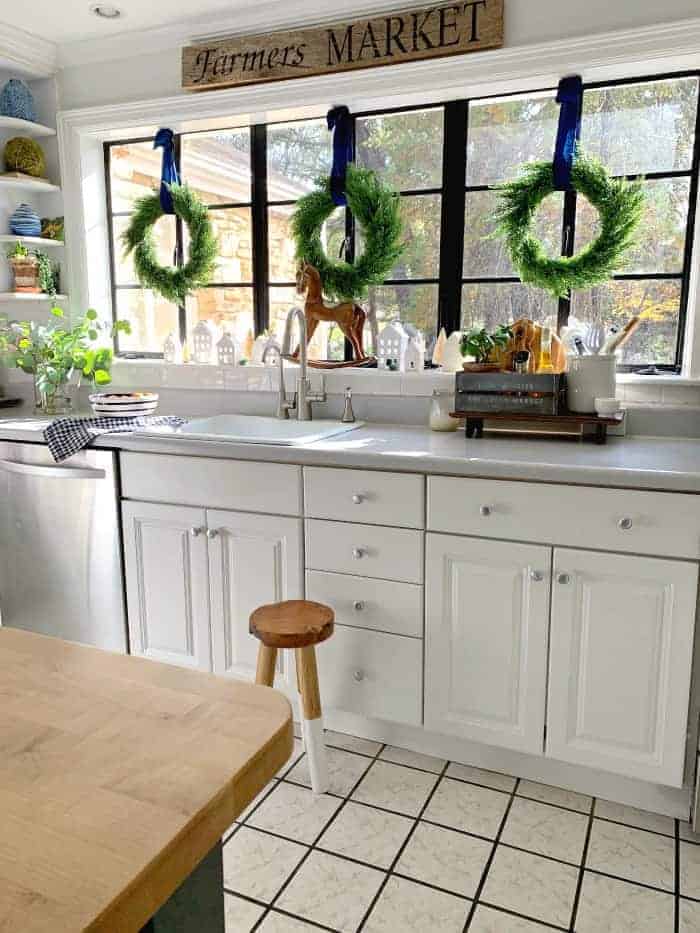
(590, 377)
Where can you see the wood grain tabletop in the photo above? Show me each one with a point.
(117, 776)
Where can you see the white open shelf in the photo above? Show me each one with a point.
(30, 296)
(29, 240)
(27, 183)
(25, 127)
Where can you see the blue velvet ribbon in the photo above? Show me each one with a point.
(570, 96)
(165, 140)
(339, 122)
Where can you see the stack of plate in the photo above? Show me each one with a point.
(119, 404)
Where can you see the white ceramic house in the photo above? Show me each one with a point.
(413, 358)
(226, 350)
(391, 344)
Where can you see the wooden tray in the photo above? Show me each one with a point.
(474, 421)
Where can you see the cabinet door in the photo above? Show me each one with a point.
(486, 640)
(621, 648)
(165, 551)
(253, 559)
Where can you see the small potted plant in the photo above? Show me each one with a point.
(54, 354)
(25, 268)
(484, 347)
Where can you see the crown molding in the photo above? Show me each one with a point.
(30, 55)
(669, 47)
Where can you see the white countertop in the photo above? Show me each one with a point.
(634, 462)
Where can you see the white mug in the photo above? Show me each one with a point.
(588, 378)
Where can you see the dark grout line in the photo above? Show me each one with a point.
(489, 860)
(402, 848)
(312, 847)
(582, 868)
(514, 913)
(642, 829)
(677, 880)
(639, 884)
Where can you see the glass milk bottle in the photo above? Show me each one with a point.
(440, 419)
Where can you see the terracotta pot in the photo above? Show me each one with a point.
(25, 270)
(481, 367)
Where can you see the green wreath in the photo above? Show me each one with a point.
(377, 212)
(172, 283)
(619, 203)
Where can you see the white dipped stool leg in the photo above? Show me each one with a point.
(312, 718)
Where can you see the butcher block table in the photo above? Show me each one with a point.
(118, 777)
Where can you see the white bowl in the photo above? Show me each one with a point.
(606, 407)
(123, 403)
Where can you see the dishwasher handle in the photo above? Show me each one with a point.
(55, 472)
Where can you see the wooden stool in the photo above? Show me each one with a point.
(297, 624)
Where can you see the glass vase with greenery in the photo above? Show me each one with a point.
(54, 353)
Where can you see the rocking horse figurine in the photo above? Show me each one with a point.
(349, 317)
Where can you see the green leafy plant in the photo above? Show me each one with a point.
(18, 251)
(47, 274)
(52, 353)
(481, 344)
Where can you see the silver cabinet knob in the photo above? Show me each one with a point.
(212, 533)
(563, 578)
(536, 576)
(358, 499)
(485, 510)
(196, 532)
(358, 553)
(625, 523)
(358, 676)
(358, 605)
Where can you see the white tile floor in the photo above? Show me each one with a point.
(405, 843)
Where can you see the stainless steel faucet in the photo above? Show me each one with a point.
(300, 404)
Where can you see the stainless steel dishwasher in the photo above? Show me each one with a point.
(60, 557)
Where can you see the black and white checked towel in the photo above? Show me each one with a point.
(66, 436)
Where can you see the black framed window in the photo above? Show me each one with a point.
(443, 159)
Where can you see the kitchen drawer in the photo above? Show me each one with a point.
(365, 550)
(273, 488)
(660, 523)
(365, 496)
(372, 674)
(381, 605)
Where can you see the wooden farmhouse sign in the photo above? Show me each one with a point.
(396, 37)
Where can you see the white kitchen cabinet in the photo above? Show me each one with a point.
(253, 560)
(621, 646)
(486, 640)
(167, 583)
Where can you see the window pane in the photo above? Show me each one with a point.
(646, 127)
(507, 132)
(412, 304)
(231, 308)
(217, 165)
(660, 235)
(616, 302)
(421, 235)
(151, 317)
(404, 148)
(281, 245)
(485, 257)
(233, 228)
(488, 305)
(297, 153)
(164, 233)
(328, 342)
(134, 170)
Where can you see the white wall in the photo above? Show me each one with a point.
(114, 75)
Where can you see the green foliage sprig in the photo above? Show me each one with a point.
(53, 352)
(619, 203)
(481, 344)
(47, 274)
(376, 210)
(173, 283)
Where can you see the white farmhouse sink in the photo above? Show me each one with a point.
(253, 429)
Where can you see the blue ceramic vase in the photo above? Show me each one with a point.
(25, 221)
(16, 100)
